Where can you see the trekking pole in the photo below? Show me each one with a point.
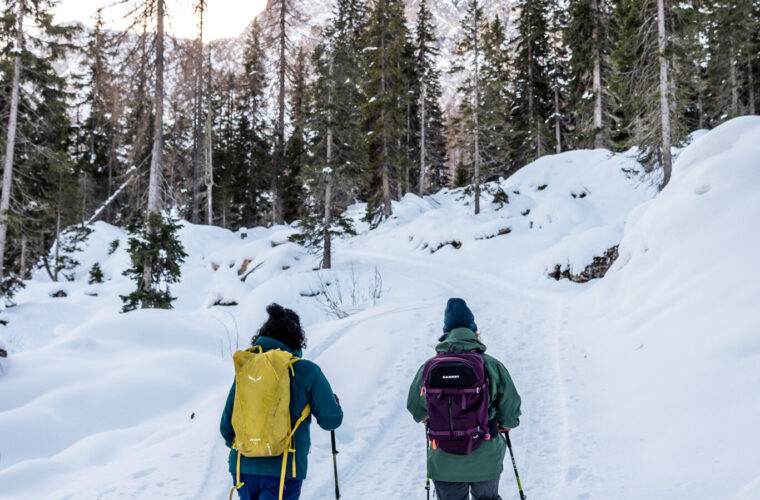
(427, 444)
(335, 464)
(514, 465)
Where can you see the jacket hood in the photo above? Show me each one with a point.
(270, 344)
(459, 340)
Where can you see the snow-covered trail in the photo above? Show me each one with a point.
(381, 448)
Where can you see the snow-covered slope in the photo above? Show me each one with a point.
(665, 349)
(624, 380)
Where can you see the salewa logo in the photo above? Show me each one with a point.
(450, 376)
(254, 379)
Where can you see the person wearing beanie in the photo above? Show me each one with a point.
(308, 385)
(457, 475)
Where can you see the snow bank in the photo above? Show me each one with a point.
(664, 351)
(97, 403)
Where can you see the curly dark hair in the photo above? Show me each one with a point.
(283, 325)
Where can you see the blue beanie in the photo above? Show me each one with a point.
(457, 315)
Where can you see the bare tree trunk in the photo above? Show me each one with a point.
(209, 172)
(750, 81)
(387, 211)
(476, 180)
(327, 250)
(209, 153)
(557, 124)
(224, 209)
(133, 174)
(597, 80)
(277, 202)
(734, 86)
(10, 142)
(664, 107)
(557, 127)
(57, 265)
(154, 184)
(700, 102)
(22, 266)
(83, 214)
(197, 139)
(111, 158)
(531, 114)
(423, 95)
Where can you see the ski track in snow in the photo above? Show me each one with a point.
(520, 328)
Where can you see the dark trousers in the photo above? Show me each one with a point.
(257, 487)
(485, 490)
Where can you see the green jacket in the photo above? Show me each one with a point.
(308, 385)
(486, 462)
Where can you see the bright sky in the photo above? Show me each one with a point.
(225, 18)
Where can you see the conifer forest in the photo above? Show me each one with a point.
(282, 125)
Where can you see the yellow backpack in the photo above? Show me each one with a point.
(261, 414)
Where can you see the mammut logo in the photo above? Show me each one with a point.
(450, 376)
(254, 379)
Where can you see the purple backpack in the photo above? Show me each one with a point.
(456, 390)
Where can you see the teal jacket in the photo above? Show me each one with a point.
(486, 462)
(308, 385)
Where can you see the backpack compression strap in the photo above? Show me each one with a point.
(291, 449)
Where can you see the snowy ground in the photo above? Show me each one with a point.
(642, 383)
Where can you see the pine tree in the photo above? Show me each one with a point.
(98, 158)
(433, 155)
(624, 59)
(96, 274)
(180, 130)
(385, 110)
(38, 170)
(533, 86)
(732, 36)
(496, 102)
(587, 37)
(641, 85)
(154, 245)
(470, 60)
(283, 15)
(243, 151)
(295, 149)
(557, 62)
(336, 160)
(690, 59)
(409, 140)
(137, 68)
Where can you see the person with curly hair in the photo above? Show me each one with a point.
(308, 385)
